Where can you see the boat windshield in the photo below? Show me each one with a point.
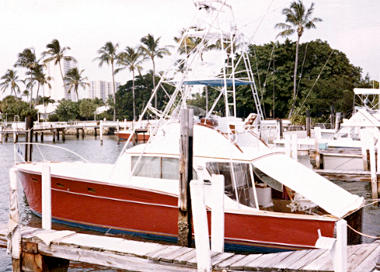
(157, 167)
(237, 181)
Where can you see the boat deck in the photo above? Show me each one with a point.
(147, 256)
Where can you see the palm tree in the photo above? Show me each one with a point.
(40, 78)
(131, 59)
(151, 49)
(108, 54)
(27, 59)
(10, 80)
(56, 53)
(74, 79)
(297, 20)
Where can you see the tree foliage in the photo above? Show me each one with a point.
(12, 106)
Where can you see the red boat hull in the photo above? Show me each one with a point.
(141, 137)
(150, 214)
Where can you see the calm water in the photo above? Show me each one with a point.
(91, 149)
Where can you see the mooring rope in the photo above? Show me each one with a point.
(361, 233)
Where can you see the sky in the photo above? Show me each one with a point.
(350, 26)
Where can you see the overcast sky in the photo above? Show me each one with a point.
(351, 26)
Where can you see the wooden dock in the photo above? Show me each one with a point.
(62, 246)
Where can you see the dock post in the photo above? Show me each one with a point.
(95, 132)
(6, 137)
(46, 197)
(101, 132)
(337, 120)
(77, 133)
(372, 162)
(364, 142)
(308, 124)
(82, 133)
(63, 135)
(186, 175)
(42, 137)
(53, 135)
(339, 250)
(57, 130)
(1, 134)
(217, 213)
(28, 138)
(14, 243)
(280, 129)
(202, 246)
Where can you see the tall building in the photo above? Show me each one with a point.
(101, 89)
(57, 91)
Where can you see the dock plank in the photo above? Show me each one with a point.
(221, 257)
(230, 261)
(120, 253)
(362, 256)
(240, 265)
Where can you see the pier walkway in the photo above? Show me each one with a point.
(62, 246)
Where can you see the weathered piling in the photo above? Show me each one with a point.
(28, 138)
(186, 175)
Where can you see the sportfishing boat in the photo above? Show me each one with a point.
(271, 202)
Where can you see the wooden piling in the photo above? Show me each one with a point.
(82, 133)
(63, 135)
(57, 130)
(77, 133)
(42, 137)
(186, 175)
(280, 128)
(53, 135)
(101, 132)
(6, 137)
(28, 138)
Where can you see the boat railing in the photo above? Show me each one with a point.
(44, 153)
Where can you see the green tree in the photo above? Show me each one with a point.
(27, 59)
(67, 110)
(38, 75)
(12, 106)
(74, 79)
(131, 59)
(297, 20)
(55, 53)
(87, 108)
(108, 54)
(150, 48)
(11, 81)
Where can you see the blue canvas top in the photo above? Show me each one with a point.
(216, 82)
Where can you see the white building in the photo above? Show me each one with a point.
(101, 89)
(57, 91)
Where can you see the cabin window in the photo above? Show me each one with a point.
(170, 168)
(157, 167)
(237, 181)
(149, 167)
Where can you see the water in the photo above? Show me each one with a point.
(91, 149)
